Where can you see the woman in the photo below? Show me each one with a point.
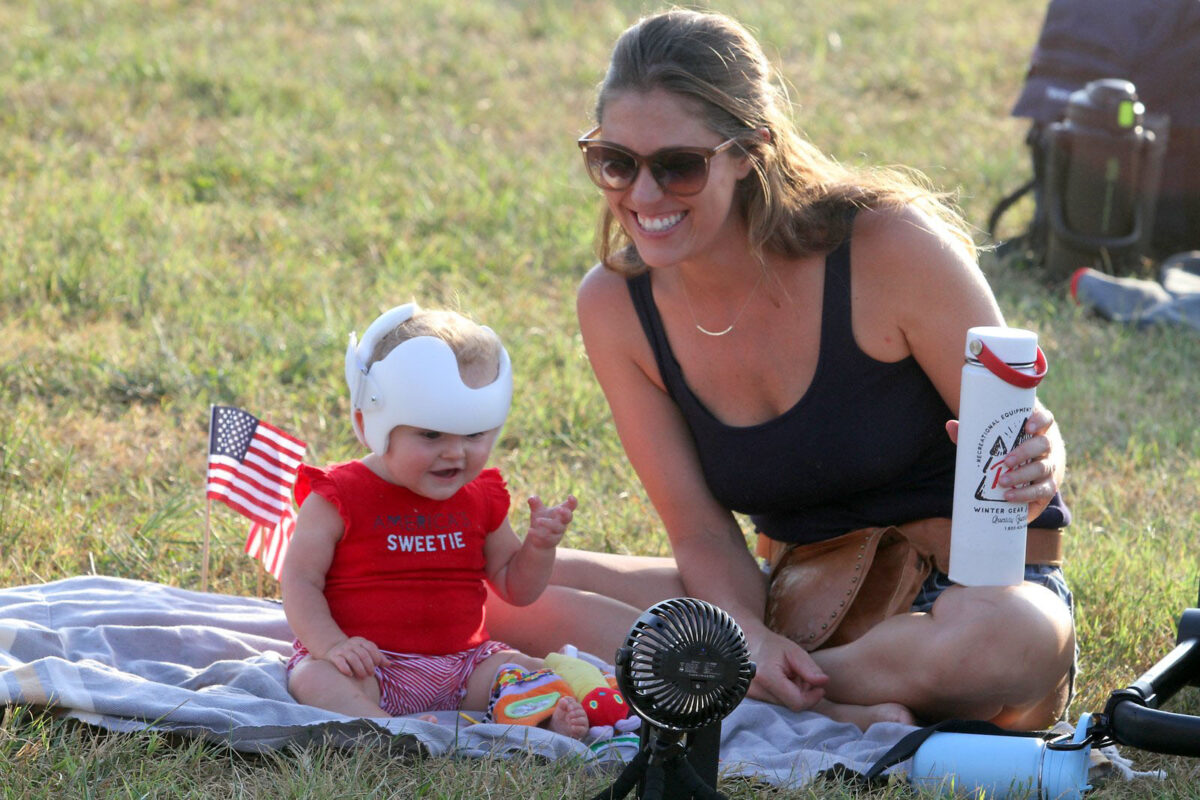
(779, 336)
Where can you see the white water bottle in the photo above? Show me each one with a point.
(999, 380)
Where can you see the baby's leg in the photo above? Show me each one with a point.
(568, 719)
(483, 678)
(319, 683)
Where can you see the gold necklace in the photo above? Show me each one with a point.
(736, 318)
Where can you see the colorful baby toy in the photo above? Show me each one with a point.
(521, 697)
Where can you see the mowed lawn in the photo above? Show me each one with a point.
(198, 201)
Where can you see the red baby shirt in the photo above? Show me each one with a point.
(408, 572)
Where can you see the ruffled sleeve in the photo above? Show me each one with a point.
(494, 498)
(319, 481)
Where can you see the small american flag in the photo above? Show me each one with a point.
(251, 468)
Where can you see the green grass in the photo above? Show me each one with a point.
(199, 200)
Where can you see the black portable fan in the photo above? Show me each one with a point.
(684, 666)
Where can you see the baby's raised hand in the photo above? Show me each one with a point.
(548, 524)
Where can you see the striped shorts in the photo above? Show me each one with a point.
(410, 683)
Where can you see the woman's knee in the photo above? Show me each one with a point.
(561, 616)
(1026, 625)
(1041, 713)
(1009, 612)
(522, 660)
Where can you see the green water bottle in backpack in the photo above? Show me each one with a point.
(1102, 175)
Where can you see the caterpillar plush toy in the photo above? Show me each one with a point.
(526, 698)
(604, 705)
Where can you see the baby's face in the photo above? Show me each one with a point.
(435, 464)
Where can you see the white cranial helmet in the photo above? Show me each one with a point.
(418, 384)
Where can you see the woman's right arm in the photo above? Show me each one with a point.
(310, 552)
(706, 540)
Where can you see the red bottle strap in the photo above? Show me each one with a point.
(1012, 376)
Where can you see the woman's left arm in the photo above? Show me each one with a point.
(926, 290)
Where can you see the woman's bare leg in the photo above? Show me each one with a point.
(864, 716)
(592, 602)
(639, 581)
(985, 653)
(982, 653)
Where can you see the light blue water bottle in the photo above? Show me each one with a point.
(1001, 767)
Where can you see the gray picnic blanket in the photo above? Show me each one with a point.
(128, 655)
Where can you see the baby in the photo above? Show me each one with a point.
(383, 584)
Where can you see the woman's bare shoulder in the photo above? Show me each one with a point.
(915, 283)
(602, 300)
(600, 284)
(908, 237)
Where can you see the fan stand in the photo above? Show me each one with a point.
(661, 762)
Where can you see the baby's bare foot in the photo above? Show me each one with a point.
(865, 716)
(569, 718)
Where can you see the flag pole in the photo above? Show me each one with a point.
(204, 548)
(212, 413)
(262, 567)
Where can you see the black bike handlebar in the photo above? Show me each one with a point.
(1132, 715)
(1155, 730)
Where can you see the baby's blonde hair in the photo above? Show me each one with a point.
(475, 347)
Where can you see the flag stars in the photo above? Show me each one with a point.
(233, 432)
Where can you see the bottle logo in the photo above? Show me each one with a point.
(1005, 440)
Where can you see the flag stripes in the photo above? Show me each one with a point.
(270, 544)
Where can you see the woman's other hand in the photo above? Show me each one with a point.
(785, 674)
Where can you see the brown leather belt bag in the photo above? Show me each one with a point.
(832, 592)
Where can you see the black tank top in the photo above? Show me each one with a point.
(865, 445)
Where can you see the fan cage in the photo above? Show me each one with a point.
(685, 665)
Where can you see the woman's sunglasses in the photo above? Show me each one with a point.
(680, 171)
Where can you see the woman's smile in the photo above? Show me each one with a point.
(658, 223)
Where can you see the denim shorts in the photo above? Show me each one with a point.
(1049, 576)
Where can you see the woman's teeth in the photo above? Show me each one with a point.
(659, 224)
